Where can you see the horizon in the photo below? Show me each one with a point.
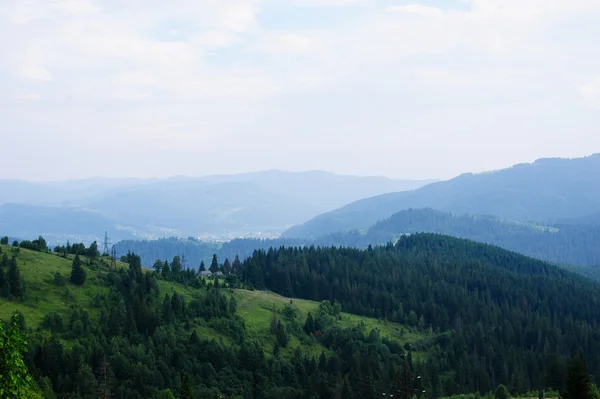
(183, 176)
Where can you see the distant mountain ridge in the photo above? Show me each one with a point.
(546, 190)
(220, 205)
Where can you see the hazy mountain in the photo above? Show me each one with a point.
(215, 205)
(59, 193)
(546, 190)
(56, 224)
(562, 244)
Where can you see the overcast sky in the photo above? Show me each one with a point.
(375, 87)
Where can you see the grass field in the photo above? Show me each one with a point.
(255, 307)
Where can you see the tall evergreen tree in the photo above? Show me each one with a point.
(77, 272)
(214, 265)
(14, 279)
(226, 266)
(578, 380)
(237, 265)
(176, 266)
(202, 266)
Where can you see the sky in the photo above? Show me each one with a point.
(405, 89)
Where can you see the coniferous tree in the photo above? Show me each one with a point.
(202, 266)
(14, 279)
(4, 240)
(187, 390)
(226, 267)
(4, 284)
(578, 381)
(176, 266)
(309, 325)
(214, 265)
(77, 272)
(237, 265)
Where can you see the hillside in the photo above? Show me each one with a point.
(563, 244)
(218, 206)
(544, 191)
(513, 311)
(73, 312)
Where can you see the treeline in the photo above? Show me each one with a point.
(515, 320)
(78, 249)
(572, 245)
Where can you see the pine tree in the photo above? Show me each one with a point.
(187, 390)
(578, 380)
(214, 265)
(226, 267)
(14, 279)
(237, 265)
(309, 326)
(77, 272)
(202, 266)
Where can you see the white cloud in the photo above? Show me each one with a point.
(214, 77)
(417, 9)
(29, 97)
(590, 91)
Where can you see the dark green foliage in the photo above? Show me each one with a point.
(77, 272)
(501, 392)
(214, 264)
(14, 279)
(558, 243)
(36, 245)
(15, 381)
(521, 313)
(15, 243)
(578, 381)
(4, 240)
(58, 280)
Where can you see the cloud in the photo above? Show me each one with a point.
(29, 97)
(191, 80)
(590, 91)
(417, 9)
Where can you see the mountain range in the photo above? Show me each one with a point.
(220, 206)
(546, 190)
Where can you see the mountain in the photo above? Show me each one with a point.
(456, 315)
(543, 191)
(564, 244)
(221, 206)
(56, 224)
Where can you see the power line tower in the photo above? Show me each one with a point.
(407, 384)
(106, 243)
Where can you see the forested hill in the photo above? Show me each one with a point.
(573, 246)
(514, 319)
(567, 244)
(462, 315)
(546, 190)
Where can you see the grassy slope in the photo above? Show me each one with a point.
(255, 307)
